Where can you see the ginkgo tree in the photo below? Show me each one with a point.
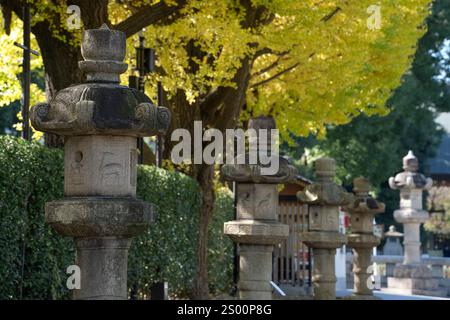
(307, 63)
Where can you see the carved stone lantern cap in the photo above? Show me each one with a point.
(103, 51)
(101, 106)
(363, 202)
(410, 162)
(361, 185)
(243, 171)
(410, 178)
(393, 233)
(325, 167)
(324, 191)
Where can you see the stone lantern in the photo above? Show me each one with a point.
(411, 185)
(101, 121)
(411, 277)
(324, 198)
(362, 239)
(256, 229)
(392, 246)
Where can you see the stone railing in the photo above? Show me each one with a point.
(436, 263)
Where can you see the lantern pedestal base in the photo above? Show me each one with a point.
(414, 279)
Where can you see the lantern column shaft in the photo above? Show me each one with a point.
(412, 243)
(255, 272)
(324, 277)
(103, 266)
(362, 259)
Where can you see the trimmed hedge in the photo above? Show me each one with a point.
(174, 235)
(31, 175)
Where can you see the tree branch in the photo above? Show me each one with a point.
(268, 68)
(156, 13)
(6, 13)
(260, 83)
(331, 15)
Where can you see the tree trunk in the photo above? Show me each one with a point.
(205, 177)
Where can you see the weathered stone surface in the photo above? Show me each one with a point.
(99, 217)
(323, 218)
(402, 287)
(100, 120)
(257, 232)
(247, 171)
(324, 198)
(101, 105)
(108, 279)
(362, 241)
(324, 278)
(411, 185)
(410, 178)
(409, 284)
(412, 271)
(392, 245)
(257, 229)
(257, 201)
(411, 277)
(100, 166)
(362, 209)
(103, 51)
(252, 173)
(323, 240)
(255, 271)
(100, 108)
(325, 192)
(409, 215)
(106, 48)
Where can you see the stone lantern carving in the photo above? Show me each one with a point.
(362, 239)
(257, 229)
(324, 198)
(411, 277)
(101, 121)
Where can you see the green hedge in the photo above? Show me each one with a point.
(31, 175)
(168, 250)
